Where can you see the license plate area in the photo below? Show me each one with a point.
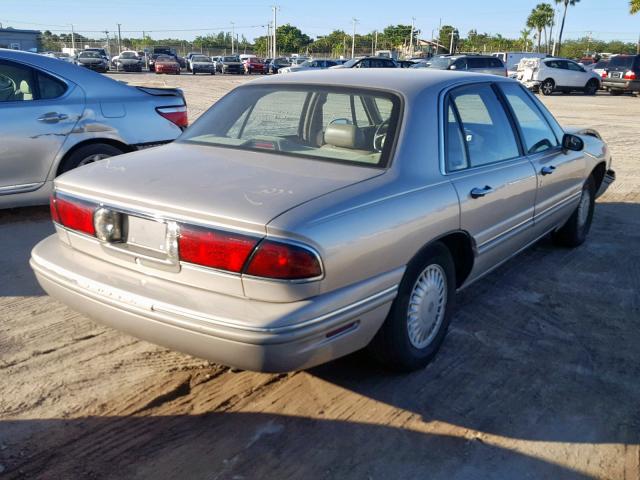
(147, 234)
(616, 75)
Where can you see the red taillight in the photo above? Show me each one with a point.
(73, 214)
(283, 261)
(215, 249)
(176, 115)
(604, 74)
(630, 75)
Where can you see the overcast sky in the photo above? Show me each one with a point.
(605, 19)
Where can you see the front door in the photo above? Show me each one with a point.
(560, 173)
(37, 113)
(496, 184)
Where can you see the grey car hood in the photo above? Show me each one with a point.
(215, 185)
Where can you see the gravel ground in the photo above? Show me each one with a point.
(538, 377)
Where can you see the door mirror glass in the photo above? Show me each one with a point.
(572, 142)
(453, 67)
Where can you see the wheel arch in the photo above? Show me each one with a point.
(461, 247)
(92, 141)
(598, 174)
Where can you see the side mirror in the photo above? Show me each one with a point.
(453, 67)
(572, 142)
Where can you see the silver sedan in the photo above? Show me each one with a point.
(55, 116)
(301, 219)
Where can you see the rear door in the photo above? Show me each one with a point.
(37, 113)
(560, 174)
(495, 182)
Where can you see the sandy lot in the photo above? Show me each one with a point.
(538, 377)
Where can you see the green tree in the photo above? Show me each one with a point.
(290, 39)
(524, 38)
(444, 38)
(566, 4)
(539, 19)
(634, 6)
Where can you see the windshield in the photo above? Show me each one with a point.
(89, 55)
(128, 55)
(308, 121)
(231, 59)
(351, 62)
(625, 61)
(440, 63)
(201, 58)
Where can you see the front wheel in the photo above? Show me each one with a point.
(419, 317)
(574, 232)
(547, 87)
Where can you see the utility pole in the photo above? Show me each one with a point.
(106, 32)
(453, 32)
(413, 20)
(267, 52)
(144, 48)
(353, 39)
(372, 45)
(274, 44)
(376, 48)
(119, 40)
(73, 39)
(233, 36)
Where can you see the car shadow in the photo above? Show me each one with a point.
(20, 230)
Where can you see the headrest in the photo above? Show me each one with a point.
(24, 87)
(345, 136)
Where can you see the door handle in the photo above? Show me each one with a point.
(52, 117)
(481, 192)
(547, 170)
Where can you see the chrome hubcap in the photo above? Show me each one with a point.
(427, 304)
(583, 208)
(93, 158)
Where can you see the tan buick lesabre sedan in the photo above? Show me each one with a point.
(305, 217)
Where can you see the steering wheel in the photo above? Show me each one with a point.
(8, 87)
(380, 135)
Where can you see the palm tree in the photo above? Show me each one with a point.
(564, 16)
(634, 6)
(524, 36)
(540, 18)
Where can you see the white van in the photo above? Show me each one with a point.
(512, 59)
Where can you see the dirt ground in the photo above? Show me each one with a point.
(538, 377)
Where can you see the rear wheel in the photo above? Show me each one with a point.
(547, 87)
(575, 231)
(592, 87)
(419, 317)
(89, 154)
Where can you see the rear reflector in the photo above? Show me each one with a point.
(176, 115)
(74, 214)
(215, 249)
(283, 261)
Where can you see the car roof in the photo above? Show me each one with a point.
(407, 82)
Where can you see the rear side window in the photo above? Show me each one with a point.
(49, 87)
(488, 135)
(495, 63)
(478, 62)
(536, 132)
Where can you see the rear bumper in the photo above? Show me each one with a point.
(621, 84)
(532, 85)
(315, 331)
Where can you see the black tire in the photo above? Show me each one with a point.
(193, 72)
(615, 92)
(83, 154)
(574, 232)
(547, 87)
(392, 344)
(591, 87)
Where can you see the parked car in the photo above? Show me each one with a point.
(599, 67)
(230, 64)
(166, 64)
(469, 63)
(101, 51)
(558, 74)
(622, 74)
(93, 61)
(368, 62)
(65, 57)
(405, 63)
(201, 64)
(55, 116)
(276, 64)
(316, 64)
(254, 65)
(297, 60)
(512, 59)
(267, 246)
(188, 59)
(128, 61)
(181, 61)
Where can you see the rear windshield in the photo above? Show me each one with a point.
(625, 61)
(309, 121)
(231, 59)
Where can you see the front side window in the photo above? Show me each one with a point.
(488, 135)
(575, 67)
(17, 82)
(339, 124)
(536, 132)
